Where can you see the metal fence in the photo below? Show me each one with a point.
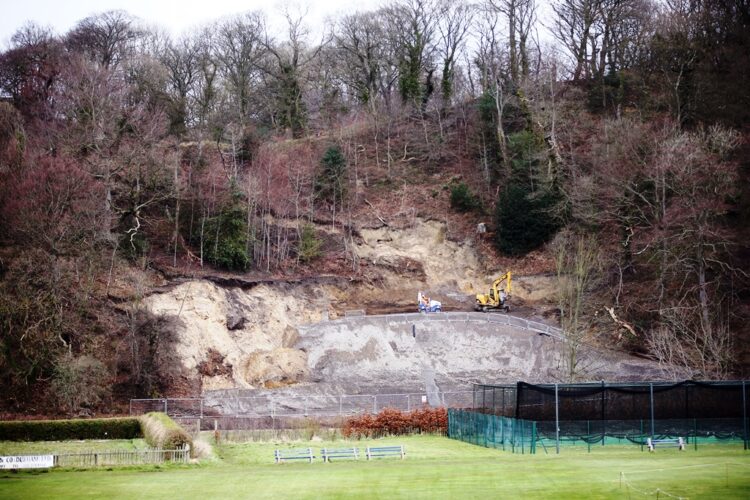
(121, 457)
(294, 406)
(474, 317)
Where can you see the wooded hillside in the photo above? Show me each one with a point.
(618, 145)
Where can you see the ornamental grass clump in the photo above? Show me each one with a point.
(162, 432)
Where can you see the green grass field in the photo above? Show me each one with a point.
(435, 467)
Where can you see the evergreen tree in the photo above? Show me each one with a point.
(330, 184)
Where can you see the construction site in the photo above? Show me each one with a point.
(253, 352)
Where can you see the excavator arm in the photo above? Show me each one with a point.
(494, 299)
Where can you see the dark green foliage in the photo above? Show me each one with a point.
(160, 431)
(616, 89)
(62, 430)
(524, 148)
(427, 90)
(133, 246)
(463, 200)
(225, 244)
(524, 221)
(309, 244)
(408, 82)
(330, 183)
(525, 214)
(292, 112)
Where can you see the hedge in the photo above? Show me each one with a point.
(62, 430)
(162, 432)
(393, 422)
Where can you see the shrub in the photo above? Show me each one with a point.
(62, 430)
(160, 431)
(309, 244)
(462, 199)
(392, 422)
(79, 381)
(330, 183)
(524, 222)
(225, 244)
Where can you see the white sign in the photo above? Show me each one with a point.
(27, 462)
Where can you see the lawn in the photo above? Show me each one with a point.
(435, 467)
(42, 447)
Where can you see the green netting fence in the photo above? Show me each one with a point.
(591, 433)
(492, 431)
(604, 413)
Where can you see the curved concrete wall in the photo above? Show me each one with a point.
(395, 352)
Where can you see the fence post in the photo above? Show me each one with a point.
(557, 420)
(744, 416)
(201, 408)
(502, 431)
(641, 434)
(408, 403)
(604, 422)
(651, 394)
(484, 428)
(165, 406)
(695, 432)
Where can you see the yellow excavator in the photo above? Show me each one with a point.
(497, 298)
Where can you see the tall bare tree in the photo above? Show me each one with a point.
(521, 18)
(286, 66)
(453, 26)
(107, 38)
(359, 39)
(239, 49)
(411, 29)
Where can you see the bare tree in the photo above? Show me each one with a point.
(601, 34)
(491, 60)
(577, 264)
(521, 17)
(181, 59)
(286, 68)
(573, 26)
(238, 47)
(453, 26)
(359, 39)
(411, 29)
(30, 69)
(107, 38)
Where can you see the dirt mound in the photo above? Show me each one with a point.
(444, 262)
(276, 368)
(230, 327)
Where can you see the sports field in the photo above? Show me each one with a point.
(435, 467)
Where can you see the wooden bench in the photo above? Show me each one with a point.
(282, 456)
(385, 451)
(678, 442)
(330, 453)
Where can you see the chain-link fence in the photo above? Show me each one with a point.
(274, 412)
